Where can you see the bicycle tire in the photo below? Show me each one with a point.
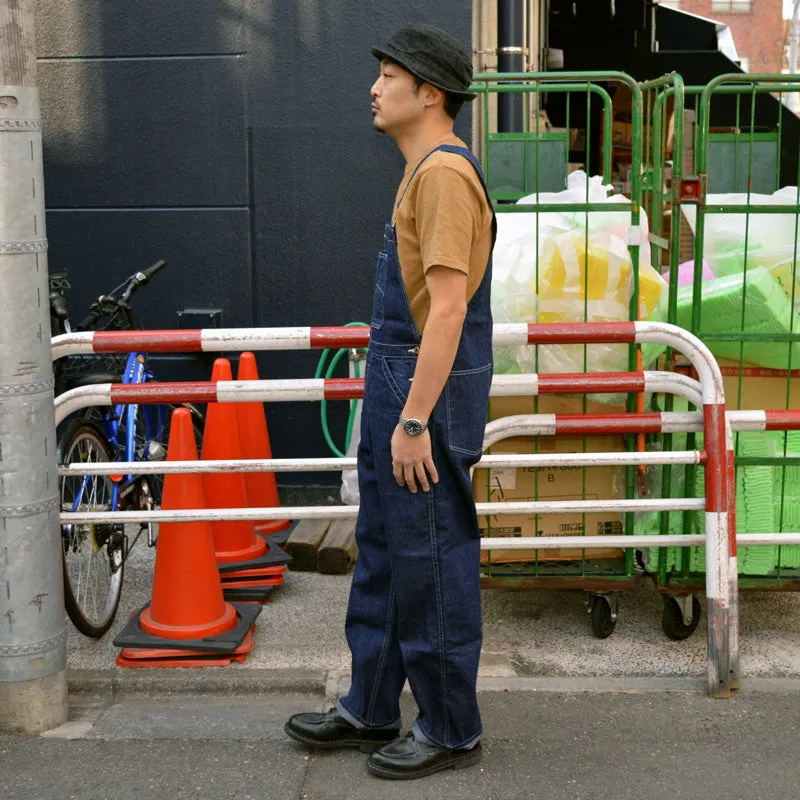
(100, 547)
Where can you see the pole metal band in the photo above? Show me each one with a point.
(33, 246)
(20, 125)
(29, 509)
(34, 648)
(41, 387)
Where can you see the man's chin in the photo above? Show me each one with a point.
(377, 125)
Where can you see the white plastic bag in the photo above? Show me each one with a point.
(349, 491)
(766, 240)
(570, 267)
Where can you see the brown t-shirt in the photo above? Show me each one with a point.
(444, 219)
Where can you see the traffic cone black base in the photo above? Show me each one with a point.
(132, 635)
(253, 594)
(274, 557)
(134, 657)
(278, 539)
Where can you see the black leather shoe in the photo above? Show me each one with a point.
(332, 730)
(407, 758)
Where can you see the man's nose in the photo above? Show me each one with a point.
(374, 91)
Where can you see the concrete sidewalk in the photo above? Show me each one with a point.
(526, 634)
(553, 745)
(566, 715)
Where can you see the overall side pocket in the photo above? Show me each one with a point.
(467, 400)
(398, 373)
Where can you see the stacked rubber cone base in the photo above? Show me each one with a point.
(141, 649)
(255, 580)
(188, 623)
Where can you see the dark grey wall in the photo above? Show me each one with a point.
(232, 138)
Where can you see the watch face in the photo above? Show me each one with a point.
(413, 427)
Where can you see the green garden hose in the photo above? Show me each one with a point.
(323, 410)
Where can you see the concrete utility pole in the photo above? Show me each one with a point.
(33, 685)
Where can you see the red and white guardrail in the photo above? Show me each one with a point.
(721, 571)
(316, 389)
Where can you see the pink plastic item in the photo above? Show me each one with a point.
(686, 273)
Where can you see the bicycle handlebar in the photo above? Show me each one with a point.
(157, 267)
(140, 279)
(107, 304)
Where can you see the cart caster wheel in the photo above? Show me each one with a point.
(603, 613)
(675, 625)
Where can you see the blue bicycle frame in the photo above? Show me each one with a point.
(154, 417)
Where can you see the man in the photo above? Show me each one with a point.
(414, 610)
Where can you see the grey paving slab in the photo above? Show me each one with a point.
(260, 717)
(233, 680)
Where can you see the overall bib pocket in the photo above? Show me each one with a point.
(380, 291)
(467, 401)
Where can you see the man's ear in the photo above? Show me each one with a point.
(432, 96)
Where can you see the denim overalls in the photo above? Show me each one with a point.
(415, 606)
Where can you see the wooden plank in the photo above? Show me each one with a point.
(304, 543)
(338, 551)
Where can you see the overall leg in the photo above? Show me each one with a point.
(378, 675)
(434, 550)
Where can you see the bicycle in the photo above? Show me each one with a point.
(94, 556)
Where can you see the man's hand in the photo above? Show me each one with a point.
(412, 460)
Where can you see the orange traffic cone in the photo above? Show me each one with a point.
(262, 490)
(187, 617)
(234, 541)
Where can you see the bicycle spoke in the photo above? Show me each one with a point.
(94, 582)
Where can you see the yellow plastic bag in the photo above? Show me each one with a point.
(567, 295)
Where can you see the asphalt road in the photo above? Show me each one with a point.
(548, 744)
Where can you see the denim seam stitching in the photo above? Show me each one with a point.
(464, 450)
(447, 410)
(474, 371)
(383, 656)
(392, 383)
(439, 609)
(407, 345)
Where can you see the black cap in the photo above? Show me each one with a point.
(433, 56)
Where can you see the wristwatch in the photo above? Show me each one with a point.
(413, 427)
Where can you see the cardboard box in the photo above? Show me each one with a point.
(559, 483)
(761, 388)
(576, 137)
(621, 134)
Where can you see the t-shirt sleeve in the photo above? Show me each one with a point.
(447, 216)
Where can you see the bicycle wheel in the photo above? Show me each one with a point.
(93, 554)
